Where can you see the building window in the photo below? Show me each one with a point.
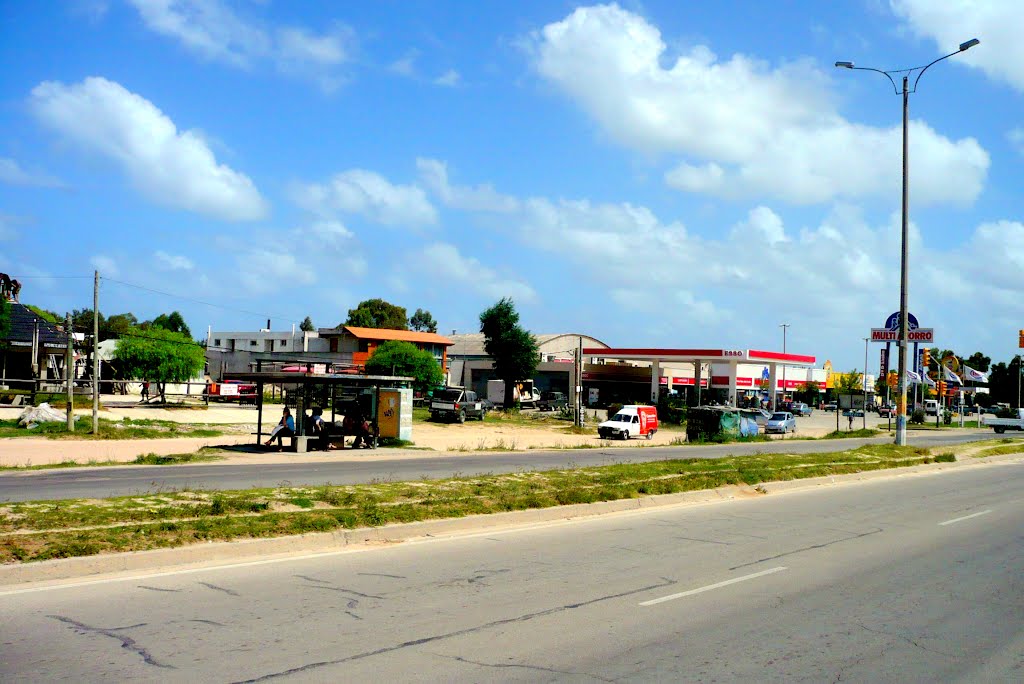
(216, 343)
(252, 343)
(284, 343)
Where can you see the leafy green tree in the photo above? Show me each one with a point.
(48, 316)
(307, 325)
(405, 358)
(117, 325)
(513, 349)
(808, 393)
(159, 356)
(173, 322)
(81, 321)
(979, 361)
(422, 321)
(377, 313)
(851, 383)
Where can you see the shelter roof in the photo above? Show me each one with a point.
(738, 355)
(23, 321)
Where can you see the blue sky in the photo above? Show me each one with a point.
(653, 174)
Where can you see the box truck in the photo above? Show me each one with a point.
(523, 392)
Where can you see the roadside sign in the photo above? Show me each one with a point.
(920, 335)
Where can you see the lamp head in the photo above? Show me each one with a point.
(969, 44)
(845, 65)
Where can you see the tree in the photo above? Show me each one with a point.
(117, 325)
(159, 356)
(377, 313)
(422, 321)
(808, 392)
(979, 361)
(173, 322)
(307, 325)
(851, 383)
(405, 358)
(513, 349)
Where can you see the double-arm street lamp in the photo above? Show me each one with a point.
(917, 72)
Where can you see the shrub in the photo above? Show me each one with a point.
(947, 417)
(917, 417)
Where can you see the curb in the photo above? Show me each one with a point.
(213, 554)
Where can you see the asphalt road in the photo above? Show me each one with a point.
(915, 578)
(128, 480)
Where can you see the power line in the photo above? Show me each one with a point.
(199, 301)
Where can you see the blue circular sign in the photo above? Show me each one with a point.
(893, 321)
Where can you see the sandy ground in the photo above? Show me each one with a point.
(428, 438)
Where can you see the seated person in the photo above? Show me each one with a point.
(285, 428)
(355, 424)
(320, 429)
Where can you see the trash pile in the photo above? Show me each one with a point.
(44, 413)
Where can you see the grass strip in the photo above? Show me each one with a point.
(126, 428)
(40, 530)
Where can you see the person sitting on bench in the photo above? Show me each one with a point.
(321, 429)
(285, 428)
(355, 424)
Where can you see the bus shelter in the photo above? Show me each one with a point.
(340, 392)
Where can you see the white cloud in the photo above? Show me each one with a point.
(406, 65)
(212, 30)
(763, 225)
(173, 262)
(1016, 138)
(330, 232)
(444, 261)
(106, 265)
(996, 23)
(171, 167)
(264, 270)
(744, 128)
(449, 78)
(434, 174)
(12, 174)
(368, 194)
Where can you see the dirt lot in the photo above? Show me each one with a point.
(427, 437)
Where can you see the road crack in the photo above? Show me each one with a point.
(127, 642)
(812, 547)
(309, 667)
(522, 666)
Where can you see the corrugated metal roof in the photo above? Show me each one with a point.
(472, 344)
(23, 321)
(385, 334)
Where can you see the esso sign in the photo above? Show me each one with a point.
(732, 353)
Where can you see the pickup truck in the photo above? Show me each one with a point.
(456, 404)
(550, 401)
(1001, 425)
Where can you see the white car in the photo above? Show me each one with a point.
(781, 421)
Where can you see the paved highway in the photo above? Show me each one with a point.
(913, 578)
(127, 480)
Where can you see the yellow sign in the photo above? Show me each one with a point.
(829, 382)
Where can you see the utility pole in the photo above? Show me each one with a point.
(69, 372)
(96, 353)
(864, 416)
(784, 327)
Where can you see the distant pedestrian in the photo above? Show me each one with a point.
(145, 390)
(850, 416)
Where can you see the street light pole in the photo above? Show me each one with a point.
(864, 422)
(901, 397)
(784, 326)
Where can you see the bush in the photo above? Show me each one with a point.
(947, 417)
(917, 417)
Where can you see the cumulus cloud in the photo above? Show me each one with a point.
(996, 22)
(106, 265)
(12, 174)
(171, 167)
(449, 78)
(213, 31)
(368, 194)
(434, 174)
(743, 127)
(263, 270)
(444, 262)
(173, 262)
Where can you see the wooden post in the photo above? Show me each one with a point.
(69, 372)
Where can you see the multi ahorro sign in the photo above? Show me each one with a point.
(891, 331)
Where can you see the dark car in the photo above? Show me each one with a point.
(550, 401)
(801, 409)
(886, 410)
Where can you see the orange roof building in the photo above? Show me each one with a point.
(362, 342)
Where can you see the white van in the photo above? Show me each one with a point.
(931, 407)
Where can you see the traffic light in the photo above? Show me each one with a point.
(926, 358)
(942, 388)
(1020, 339)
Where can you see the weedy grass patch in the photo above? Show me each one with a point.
(126, 428)
(39, 530)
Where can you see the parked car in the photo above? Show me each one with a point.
(801, 409)
(782, 422)
(886, 410)
(992, 410)
(856, 413)
(456, 403)
(831, 406)
(550, 401)
(966, 410)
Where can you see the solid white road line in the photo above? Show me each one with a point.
(966, 517)
(717, 585)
